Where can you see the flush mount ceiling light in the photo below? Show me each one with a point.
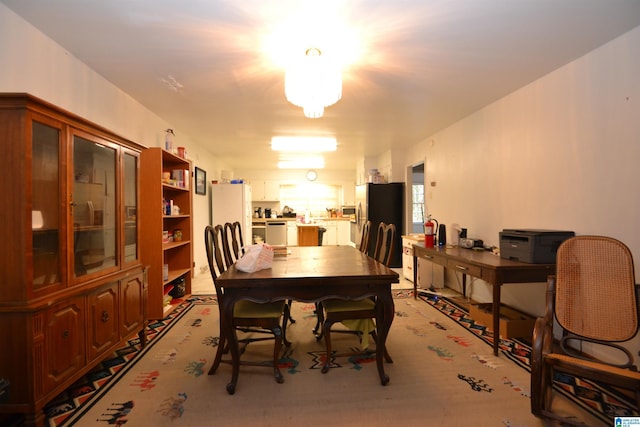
(303, 144)
(313, 82)
(312, 175)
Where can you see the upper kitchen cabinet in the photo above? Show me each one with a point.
(72, 286)
(265, 191)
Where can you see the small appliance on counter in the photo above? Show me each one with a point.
(532, 246)
(287, 212)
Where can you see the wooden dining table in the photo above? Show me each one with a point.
(311, 274)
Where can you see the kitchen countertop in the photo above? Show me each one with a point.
(264, 220)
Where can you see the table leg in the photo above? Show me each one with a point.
(385, 311)
(464, 285)
(496, 317)
(415, 276)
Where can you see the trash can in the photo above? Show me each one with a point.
(321, 231)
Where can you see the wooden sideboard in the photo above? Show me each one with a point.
(486, 266)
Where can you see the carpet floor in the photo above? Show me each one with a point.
(444, 373)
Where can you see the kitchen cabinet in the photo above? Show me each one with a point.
(170, 260)
(265, 191)
(70, 241)
(430, 270)
(331, 235)
(344, 232)
(292, 233)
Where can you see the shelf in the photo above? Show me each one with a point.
(172, 245)
(174, 274)
(155, 164)
(174, 187)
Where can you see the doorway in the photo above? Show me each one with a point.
(417, 198)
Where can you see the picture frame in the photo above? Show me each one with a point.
(130, 213)
(201, 181)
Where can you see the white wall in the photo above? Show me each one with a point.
(31, 62)
(559, 153)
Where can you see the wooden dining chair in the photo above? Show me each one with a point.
(357, 315)
(364, 248)
(248, 317)
(592, 304)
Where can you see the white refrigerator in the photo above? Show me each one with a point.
(231, 203)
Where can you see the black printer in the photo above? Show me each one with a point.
(532, 246)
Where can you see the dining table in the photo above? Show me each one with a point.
(311, 274)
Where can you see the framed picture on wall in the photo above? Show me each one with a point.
(201, 181)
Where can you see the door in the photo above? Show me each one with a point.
(94, 205)
(103, 320)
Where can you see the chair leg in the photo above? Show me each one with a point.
(286, 318)
(277, 332)
(326, 330)
(319, 321)
(291, 319)
(222, 342)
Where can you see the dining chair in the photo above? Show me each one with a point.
(364, 248)
(593, 302)
(234, 251)
(248, 317)
(357, 316)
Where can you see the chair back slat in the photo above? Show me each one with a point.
(595, 289)
(364, 240)
(233, 236)
(385, 243)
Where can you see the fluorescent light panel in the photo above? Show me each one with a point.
(303, 144)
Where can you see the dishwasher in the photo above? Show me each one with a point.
(276, 233)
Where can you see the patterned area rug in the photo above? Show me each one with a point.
(603, 402)
(133, 375)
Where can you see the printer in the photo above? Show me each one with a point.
(532, 246)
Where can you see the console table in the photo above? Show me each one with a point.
(486, 266)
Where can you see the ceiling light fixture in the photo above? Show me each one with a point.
(303, 144)
(313, 82)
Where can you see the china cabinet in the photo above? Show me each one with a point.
(167, 228)
(72, 284)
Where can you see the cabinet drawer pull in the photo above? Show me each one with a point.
(105, 316)
(66, 334)
(427, 256)
(461, 268)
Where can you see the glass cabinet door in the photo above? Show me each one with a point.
(93, 206)
(45, 213)
(130, 182)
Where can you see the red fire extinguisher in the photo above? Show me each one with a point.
(430, 232)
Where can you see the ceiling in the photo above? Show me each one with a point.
(421, 64)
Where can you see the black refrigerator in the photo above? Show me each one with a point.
(381, 203)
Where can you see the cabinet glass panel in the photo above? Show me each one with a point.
(130, 207)
(45, 216)
(94, 206)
